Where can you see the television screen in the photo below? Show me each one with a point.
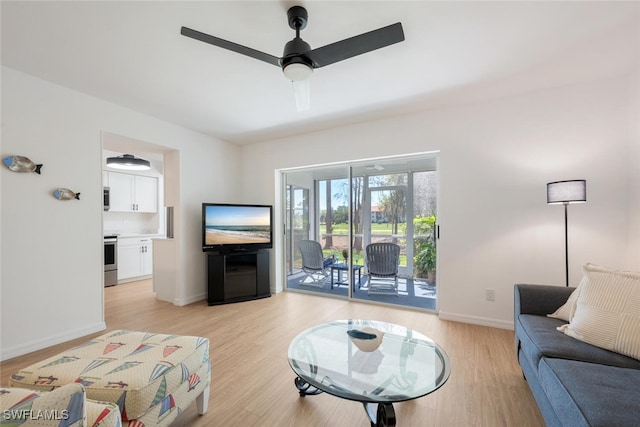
(236, 227)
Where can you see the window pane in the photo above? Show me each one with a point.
(387, 180)
(424, 219)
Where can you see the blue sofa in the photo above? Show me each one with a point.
(573, 383)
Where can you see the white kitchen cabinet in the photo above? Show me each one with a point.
(121, 192)
(135, 258)
(147, 258)
(133, 193)
(145, 193)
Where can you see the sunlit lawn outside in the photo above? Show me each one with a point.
(377, 229)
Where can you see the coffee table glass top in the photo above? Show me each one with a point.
(400, 364)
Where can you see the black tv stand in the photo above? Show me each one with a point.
(237, 276)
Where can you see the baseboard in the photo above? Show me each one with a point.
(476, 320)
(135, 279)
(190, 300)
(19, 350)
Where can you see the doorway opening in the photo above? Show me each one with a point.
(132, 229)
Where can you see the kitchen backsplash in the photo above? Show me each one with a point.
(125, 222)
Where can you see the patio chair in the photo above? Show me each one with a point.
(382, 266)
(313, 264)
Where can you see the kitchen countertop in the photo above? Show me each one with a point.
(134, 235)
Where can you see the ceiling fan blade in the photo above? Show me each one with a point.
(357, 45)
(225, 44)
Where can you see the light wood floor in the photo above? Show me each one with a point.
(252, 383)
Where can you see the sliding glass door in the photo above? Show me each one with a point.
(387, 213)
(425, 227)
(318, 229)
(296, 223)
(347, 207)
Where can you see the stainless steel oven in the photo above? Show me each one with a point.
(110, 260)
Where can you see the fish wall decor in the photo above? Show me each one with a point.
(21, 164)
(65, 194)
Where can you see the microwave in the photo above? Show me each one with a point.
(106, 195)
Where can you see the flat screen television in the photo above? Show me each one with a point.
(236, 228)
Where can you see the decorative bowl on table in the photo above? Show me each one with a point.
(366, 339)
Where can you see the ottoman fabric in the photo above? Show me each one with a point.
(103, 414)
(66, 405)
(166, 411)
(30, 407)
(139, 371)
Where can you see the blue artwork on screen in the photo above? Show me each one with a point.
(236, 226)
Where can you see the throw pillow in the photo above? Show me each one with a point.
(568, 309)
(607, 312)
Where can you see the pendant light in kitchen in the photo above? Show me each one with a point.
(128, 162)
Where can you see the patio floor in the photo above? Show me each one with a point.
(411, 292)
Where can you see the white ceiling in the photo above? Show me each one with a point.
(132, 54)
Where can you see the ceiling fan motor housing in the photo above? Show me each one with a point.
(294, 56)
(294, 52)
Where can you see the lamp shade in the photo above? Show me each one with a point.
(128, 162)
(573, 191)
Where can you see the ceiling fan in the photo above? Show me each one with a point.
(298, 59)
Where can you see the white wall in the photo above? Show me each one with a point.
(634, 165)
(52, 251)
(496, 158)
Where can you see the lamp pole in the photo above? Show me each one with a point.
(565, 192)
(566, 245)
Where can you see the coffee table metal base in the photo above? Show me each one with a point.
(385, 415)
(379, 414)
(305, 388)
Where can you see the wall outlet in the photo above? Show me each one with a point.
(490, 294)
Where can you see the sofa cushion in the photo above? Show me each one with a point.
(35, 408)
(102, 414)
(531, 377)
(587, 394)
(66, 405)
(568, 309)
(608, 310)
(540, 338)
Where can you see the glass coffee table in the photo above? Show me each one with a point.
(367, 361)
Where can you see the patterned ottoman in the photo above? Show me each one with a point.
(151, 377)
(66, 405)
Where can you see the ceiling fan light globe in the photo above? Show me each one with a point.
(302, 92)
(297, 72)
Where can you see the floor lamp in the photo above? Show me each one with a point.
(565, 192)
